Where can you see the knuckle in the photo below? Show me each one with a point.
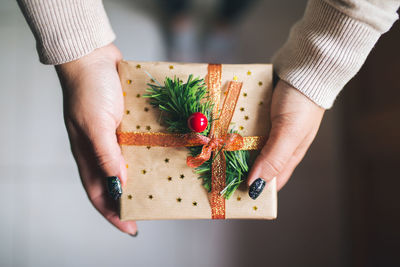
(287, 126)
(104, 159)
(71, 124)
(298, 156)
(110, 217)
(273, 166)
(76, 125)
(284, 120)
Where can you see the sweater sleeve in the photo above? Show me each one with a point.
(328, 46)
(66, 30)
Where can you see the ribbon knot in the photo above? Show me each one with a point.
(219, 139)
(230, 142)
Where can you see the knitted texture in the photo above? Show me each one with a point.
(326, 48)
(66, 30)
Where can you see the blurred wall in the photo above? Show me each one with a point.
(372, 155)
(46, 219)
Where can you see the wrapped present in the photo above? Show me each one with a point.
(162, 183)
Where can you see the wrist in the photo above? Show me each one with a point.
(109, 55)
(324, 51)
(67, 30)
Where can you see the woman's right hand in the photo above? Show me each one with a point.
(93, 108)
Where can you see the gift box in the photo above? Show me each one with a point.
(160, 183)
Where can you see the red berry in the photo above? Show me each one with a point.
(197, 122)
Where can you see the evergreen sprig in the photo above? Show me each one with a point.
(177, 101)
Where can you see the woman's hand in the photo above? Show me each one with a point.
(295, 122)
(93, 108)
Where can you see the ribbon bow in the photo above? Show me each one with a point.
(230, 142)
(219, 140)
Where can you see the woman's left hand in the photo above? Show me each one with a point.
(295, 120)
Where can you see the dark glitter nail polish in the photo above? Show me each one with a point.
(256, 188)
(114, 187)
(135, 235)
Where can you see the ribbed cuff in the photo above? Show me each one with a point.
(66, 30)
(325, 49)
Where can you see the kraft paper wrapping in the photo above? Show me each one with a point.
(160, 185)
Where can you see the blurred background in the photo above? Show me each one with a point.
(341, 207)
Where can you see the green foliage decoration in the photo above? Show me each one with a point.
(177, 101)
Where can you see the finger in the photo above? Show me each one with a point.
(109, 160)
(274, 155)
(285, 175)
(94, 182)
(96, 151)
(103, 154)
(95, 185)
(107, 153)
(294, 161)
(109, 210)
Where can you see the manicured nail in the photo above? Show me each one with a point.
(135, 235)
(114, 187)
(256, 188)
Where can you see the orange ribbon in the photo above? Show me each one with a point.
(218, 140)
(229, 142)
(183, 140)
(218, 129)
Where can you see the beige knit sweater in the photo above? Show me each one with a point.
(325, 49)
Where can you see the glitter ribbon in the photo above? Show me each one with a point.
(183, 140)
(218, 129)
(229, 142)
(218, 140)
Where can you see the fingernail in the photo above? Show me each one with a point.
(256, 188)
(114, 187)
(135, 235)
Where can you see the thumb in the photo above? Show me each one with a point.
(274, 156)
(100, 162)
(109, 161)
(98, 156)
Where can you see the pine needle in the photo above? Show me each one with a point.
(177, 102)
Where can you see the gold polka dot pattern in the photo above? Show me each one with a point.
(175, 190)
